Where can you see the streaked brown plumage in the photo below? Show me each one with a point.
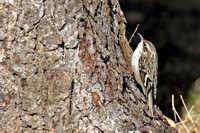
(144, 65)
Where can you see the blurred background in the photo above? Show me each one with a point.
(173, 26)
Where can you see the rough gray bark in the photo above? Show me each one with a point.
(64, 67)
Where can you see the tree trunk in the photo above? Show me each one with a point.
(65, 67)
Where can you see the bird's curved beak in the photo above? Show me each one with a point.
(140, 36)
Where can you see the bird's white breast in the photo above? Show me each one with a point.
(134, 62)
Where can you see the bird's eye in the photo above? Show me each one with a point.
(145, 46)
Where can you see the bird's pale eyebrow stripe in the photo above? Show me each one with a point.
(145, 44)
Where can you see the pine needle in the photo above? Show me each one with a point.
(133, 33)
(174, 109)
(188, 114)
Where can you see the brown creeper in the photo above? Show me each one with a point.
(144, 65)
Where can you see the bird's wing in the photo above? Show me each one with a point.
(148, 72)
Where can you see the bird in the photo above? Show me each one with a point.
(144, 64)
